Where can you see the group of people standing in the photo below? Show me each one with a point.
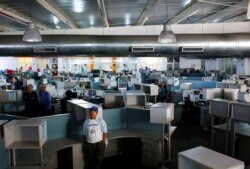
(37, 104)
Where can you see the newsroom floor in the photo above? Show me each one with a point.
(189, 134)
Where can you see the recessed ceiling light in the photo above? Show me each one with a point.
(78, 6)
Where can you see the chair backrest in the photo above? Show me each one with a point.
(220, 107)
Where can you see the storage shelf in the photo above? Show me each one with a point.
(24, 144)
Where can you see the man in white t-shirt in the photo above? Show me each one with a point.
(95, 136)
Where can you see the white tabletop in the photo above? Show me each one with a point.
(211, 159)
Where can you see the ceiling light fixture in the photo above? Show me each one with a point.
(248, 10)
(32, 34)
(166, 35)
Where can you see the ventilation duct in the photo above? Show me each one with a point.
(44, 49)
(194, 49)
(191, 45)
(142, 49)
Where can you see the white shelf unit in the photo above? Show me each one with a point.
(203, 158)
(2, 122)
(10, 96)
(113, 100)
(71, 104)
(83, 111)
(135, 99)
(25, 134)
(137, 86)
(162, 113)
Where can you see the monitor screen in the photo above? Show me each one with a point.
(92, 92)
(74, 95)
(201, 96)
(122, 85)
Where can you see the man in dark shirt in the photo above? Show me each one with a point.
(68, 94)
(31, 104)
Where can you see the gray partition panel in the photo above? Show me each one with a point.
(220, 107)
(241, 112)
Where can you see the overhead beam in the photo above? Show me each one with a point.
(101, 6)
(189, 11)
(222, 13)
(238, 18)
(20, 17)
(6, 28)
(55, 10)
(152, 4)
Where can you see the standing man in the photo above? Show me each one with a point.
(31, 103)
(44, 101)
(95, 137)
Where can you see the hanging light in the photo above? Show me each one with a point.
(32, 34)
(248, 11)
(166, 35)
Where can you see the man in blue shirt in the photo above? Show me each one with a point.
(95, 137)
(44, 101)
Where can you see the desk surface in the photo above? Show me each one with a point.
(212, 159)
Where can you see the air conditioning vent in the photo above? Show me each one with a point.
(142, 49)
(44, 49)
(192, 49)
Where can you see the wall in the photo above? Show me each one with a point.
(8, 63)
(190, 63)
(211, 64)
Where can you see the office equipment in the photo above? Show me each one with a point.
(25, 134)
(83, 111)
(135, 99)
(204, 158)
(122, 86)
(209, 94)
(172, 81)
(194, 95)
(92, 93)
(113, 100)
(104, 82)
(244, 97)
(74, 95)
(231, 94)
(185, 86)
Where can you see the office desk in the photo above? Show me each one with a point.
(203, 158)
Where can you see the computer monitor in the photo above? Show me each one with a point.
(92, 93)
(122, 86)
(74, 95)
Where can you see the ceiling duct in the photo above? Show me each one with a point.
(192, 49)
(142, 49)
(190, 45)
(44, 49)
